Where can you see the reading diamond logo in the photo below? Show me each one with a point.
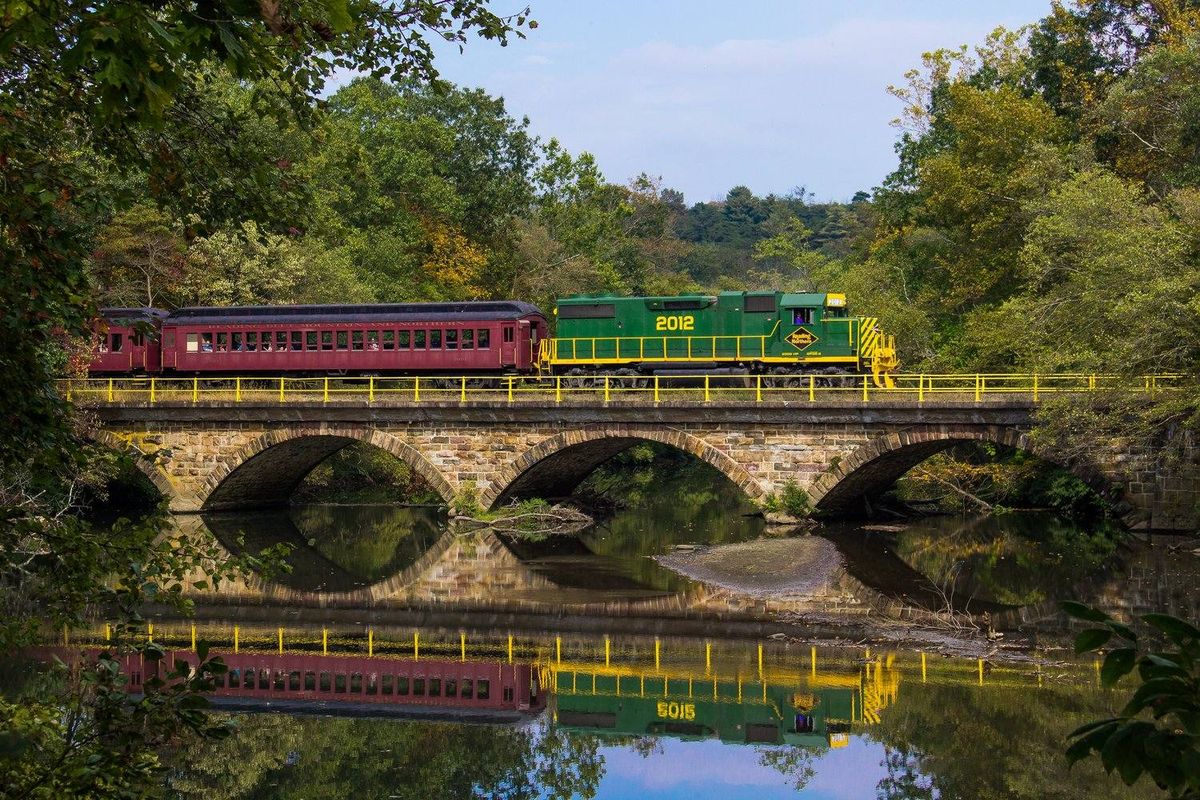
(800, 338)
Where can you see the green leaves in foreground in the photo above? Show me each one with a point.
(1158, 730)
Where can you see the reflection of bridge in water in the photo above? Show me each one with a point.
(738, 692)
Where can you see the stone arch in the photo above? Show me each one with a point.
(266, 471)
(147, 463)
(556, 465)
(874, 467)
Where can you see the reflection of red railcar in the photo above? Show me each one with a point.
(127, 341)
(396, 339)
(421, 686)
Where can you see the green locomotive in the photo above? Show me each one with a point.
(790, 335)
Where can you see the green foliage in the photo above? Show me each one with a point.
(1157, 733)
(792, 499)
(466, 502)
(362, 473)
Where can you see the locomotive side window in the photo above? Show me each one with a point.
(117, 342)
(451, 340)
(342, 340)
(483, 338)
(193, 343)
(356, 340)
(404, 341)
(801, 316)
(389, 340)
(468, 339)
(435, 340)
(418, 340)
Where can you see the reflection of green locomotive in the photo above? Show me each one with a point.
(766, 333)
(750, 712)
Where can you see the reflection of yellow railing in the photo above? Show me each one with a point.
(474, 389)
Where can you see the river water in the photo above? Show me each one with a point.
(679, 648)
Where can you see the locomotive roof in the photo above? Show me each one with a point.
(139, 314)
(381, 312)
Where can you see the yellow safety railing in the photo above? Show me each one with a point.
(628, 389)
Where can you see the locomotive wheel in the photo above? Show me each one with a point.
(577, 379)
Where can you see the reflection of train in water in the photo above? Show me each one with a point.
(814, 710)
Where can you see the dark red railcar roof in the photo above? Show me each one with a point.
(383, 312)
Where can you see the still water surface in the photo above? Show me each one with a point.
(747, 664)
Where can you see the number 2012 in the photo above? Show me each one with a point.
(687, 323)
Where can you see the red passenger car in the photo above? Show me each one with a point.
(127, 341)
(393, 339)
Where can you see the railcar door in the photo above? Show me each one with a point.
(508, 344)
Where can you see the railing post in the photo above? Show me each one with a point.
(558, 388)
(812, 388)
(656, 389)
(866, 380)
(606, 389)
(370, 389)
(110, 390)
(462, 391)
(281, 393)
(707, 396)
(416, 390)
(510, 390)
(921, 388)
(977, 387)
(152, 390)
(195, 390)
(1035, 387)
(1091, 382)
(758, 388)
(325, 392)
(237, 390)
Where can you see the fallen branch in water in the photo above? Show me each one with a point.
(528, 521)
(985, 505)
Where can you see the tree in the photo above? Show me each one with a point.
(139, 258)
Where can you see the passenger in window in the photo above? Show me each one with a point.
(266, 345)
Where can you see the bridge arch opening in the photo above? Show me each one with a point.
(558, 465)
(267, 472)
(855, 486)
(137, 482)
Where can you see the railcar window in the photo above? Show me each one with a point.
(467, 688)
(435, 687)
(386, 686)
(222, 342)
(356, 683)
(801, 316)
(418, 685)
(206, 342)
(326, 340)
(508, 694)
(235, 678)
(356, 340)
(508, 334)
(138, 340)
(372, 684)
(310, 681)
(117, 342)
(481, 689)
(193, 343)
(279, 683)
(281, 340)
(401, 684)
(264, 679)
(403, 341)
(451, 687)
(372, 340)
(592, 311)
(760, 304)
(169, 339)
(389, 340)
(236, 341)
(294, 681)
(248, 679)
(483, 338)
(418, 340)
(324, 684)
(435, 340)
(468, 339)
(342, 340)
(264, 340)
(451, 340)
(252, 340)
(339, 683)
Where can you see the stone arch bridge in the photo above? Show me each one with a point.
(225, 456)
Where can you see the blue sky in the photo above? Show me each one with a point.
(767, 93)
